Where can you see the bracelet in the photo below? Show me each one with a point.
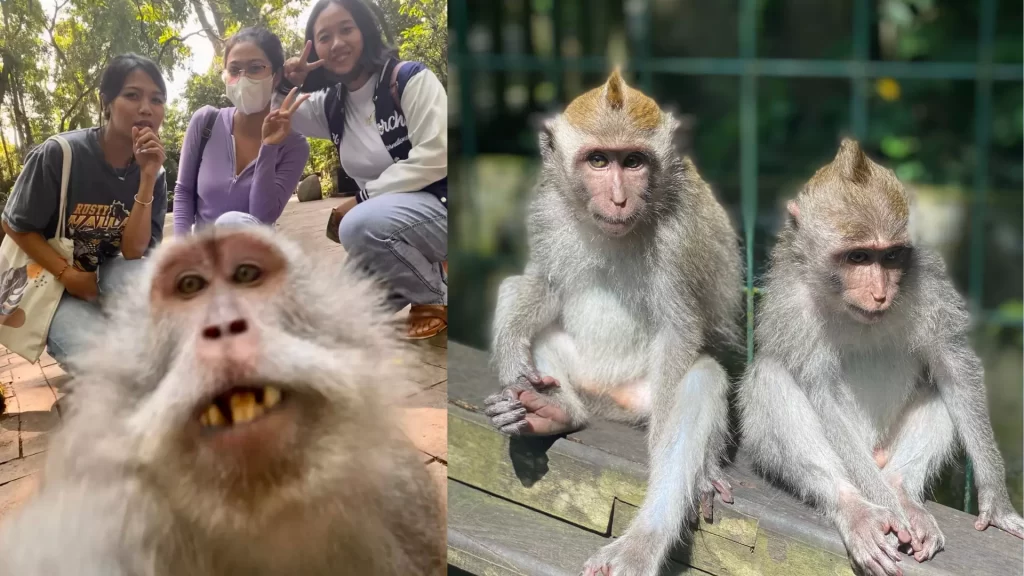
(63, 270)
(141, 203)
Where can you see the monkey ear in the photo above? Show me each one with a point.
(547, 138)
(794, 212)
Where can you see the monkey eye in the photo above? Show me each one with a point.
(893, 255)
(634, 160)
(246, 274)
(598, 160)
(857, 257)
(190, 284)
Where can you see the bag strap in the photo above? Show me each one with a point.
(65, 176)
(394, 87)
(203, 139)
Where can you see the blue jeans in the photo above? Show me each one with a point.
(75, 319)
(401, 239)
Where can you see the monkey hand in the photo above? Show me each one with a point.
(525, 408)
(632, 554)
(994, 509)
(926, 538)
(80, 284)
(864, 528)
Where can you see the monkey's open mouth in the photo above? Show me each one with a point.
(240, 405)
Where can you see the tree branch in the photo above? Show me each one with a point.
(211, 35)
(175, 39)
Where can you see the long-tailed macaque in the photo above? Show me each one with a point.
(234, 417)
(863, 377)
(633, 283)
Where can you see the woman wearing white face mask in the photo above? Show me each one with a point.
(251, 160)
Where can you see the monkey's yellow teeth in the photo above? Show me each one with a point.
(243, 407)
(239, 406)
(271, 396)
(213, 416)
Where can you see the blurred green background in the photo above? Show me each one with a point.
(933, 88)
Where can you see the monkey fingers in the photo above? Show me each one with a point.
(1006, 521)
(724, 490)
(707, 498)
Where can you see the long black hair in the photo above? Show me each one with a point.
(376, 50)
(117, 72)
(264, 39)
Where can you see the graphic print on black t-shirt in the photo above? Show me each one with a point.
(96, 231)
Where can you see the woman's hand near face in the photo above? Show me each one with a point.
(278, 123)
(296, 69)
(149, 151)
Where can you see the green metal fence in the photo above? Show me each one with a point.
(749, 68)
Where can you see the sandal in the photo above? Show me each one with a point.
(419, 315)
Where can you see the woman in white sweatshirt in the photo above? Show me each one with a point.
(389, 121)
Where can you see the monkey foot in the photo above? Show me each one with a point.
(707, 497)
(426, 321)
(926, 538)
(526, 412)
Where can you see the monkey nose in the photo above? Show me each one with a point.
(217, 331)
(619, 204)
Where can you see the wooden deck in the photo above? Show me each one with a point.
(543, 506)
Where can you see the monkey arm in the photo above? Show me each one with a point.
(959, 375)
(425, 105)
(526, 304)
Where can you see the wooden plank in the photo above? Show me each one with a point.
(789, 535)
(554, 479)
(488, 535)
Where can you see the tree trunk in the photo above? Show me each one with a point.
(211, 34)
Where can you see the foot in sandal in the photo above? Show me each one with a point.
(426, 321)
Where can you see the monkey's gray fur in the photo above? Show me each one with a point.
(653, 306)
(824, 390)
(121, 494)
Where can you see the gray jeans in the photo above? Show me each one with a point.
(401, 239)
(75, 319)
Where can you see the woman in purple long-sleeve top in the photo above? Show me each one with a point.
(253, 160)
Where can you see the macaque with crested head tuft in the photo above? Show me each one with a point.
(632, 287)
(234, 417)
(863, 378)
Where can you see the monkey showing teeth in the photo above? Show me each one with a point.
(234, 417)
(863, 377)
(631, 290)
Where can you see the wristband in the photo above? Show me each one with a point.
(63, 270)
(141, 203)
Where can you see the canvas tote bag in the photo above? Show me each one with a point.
(29, 294)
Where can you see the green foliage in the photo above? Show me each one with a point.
(52, 55)
(427, 39)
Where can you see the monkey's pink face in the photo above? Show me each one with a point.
(220, 294)
(870, 276)
(616, 181)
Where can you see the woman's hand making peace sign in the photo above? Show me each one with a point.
(278, 123)
(296, 69)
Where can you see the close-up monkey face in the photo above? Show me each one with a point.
(870, 276)
(254, 374)
(616, 182)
